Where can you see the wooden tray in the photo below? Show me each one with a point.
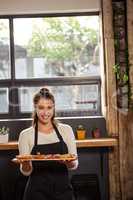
(52, 157)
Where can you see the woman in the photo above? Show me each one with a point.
(48, 180)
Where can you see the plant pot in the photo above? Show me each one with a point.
(81, 134)
(4, 138)
(96, 133)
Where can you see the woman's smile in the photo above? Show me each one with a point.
(45, 116)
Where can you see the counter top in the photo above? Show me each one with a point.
(100, 142)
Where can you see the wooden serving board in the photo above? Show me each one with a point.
(51, 157)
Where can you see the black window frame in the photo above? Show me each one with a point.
(14, 111)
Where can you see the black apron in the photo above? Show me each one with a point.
(49, 179)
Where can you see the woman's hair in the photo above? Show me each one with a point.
(46, 94)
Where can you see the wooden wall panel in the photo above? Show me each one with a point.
(126, 121)
(119, 121)
(126, 154)
(130, 42)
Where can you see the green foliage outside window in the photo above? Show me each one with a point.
(62, 39)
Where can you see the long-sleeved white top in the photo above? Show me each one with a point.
(26, 141)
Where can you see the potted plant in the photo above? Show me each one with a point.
(96, 132)
(4, 134)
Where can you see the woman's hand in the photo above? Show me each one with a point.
(26, 166)
(68, 163)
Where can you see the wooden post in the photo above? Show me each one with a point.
(111, 97)
(111, 116)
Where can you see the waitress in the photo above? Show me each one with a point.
(48, 180)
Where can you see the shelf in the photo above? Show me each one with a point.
(101, 142)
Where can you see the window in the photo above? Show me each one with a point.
(70, 100)
(4, 49)
(57, 46)
(4, 100)
(60, 52)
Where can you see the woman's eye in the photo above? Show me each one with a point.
(50, 107)
(40, 108)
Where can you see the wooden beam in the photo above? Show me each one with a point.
(111, 98)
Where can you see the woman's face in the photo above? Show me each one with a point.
(45, 110)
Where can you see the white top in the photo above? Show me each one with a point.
(26, 140)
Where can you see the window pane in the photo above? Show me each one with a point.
(70, 100)
(57, 46)
(26, 98)
(4, 49)
(4, 100)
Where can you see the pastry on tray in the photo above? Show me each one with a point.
(45, 157)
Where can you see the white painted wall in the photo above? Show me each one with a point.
(8, 7)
